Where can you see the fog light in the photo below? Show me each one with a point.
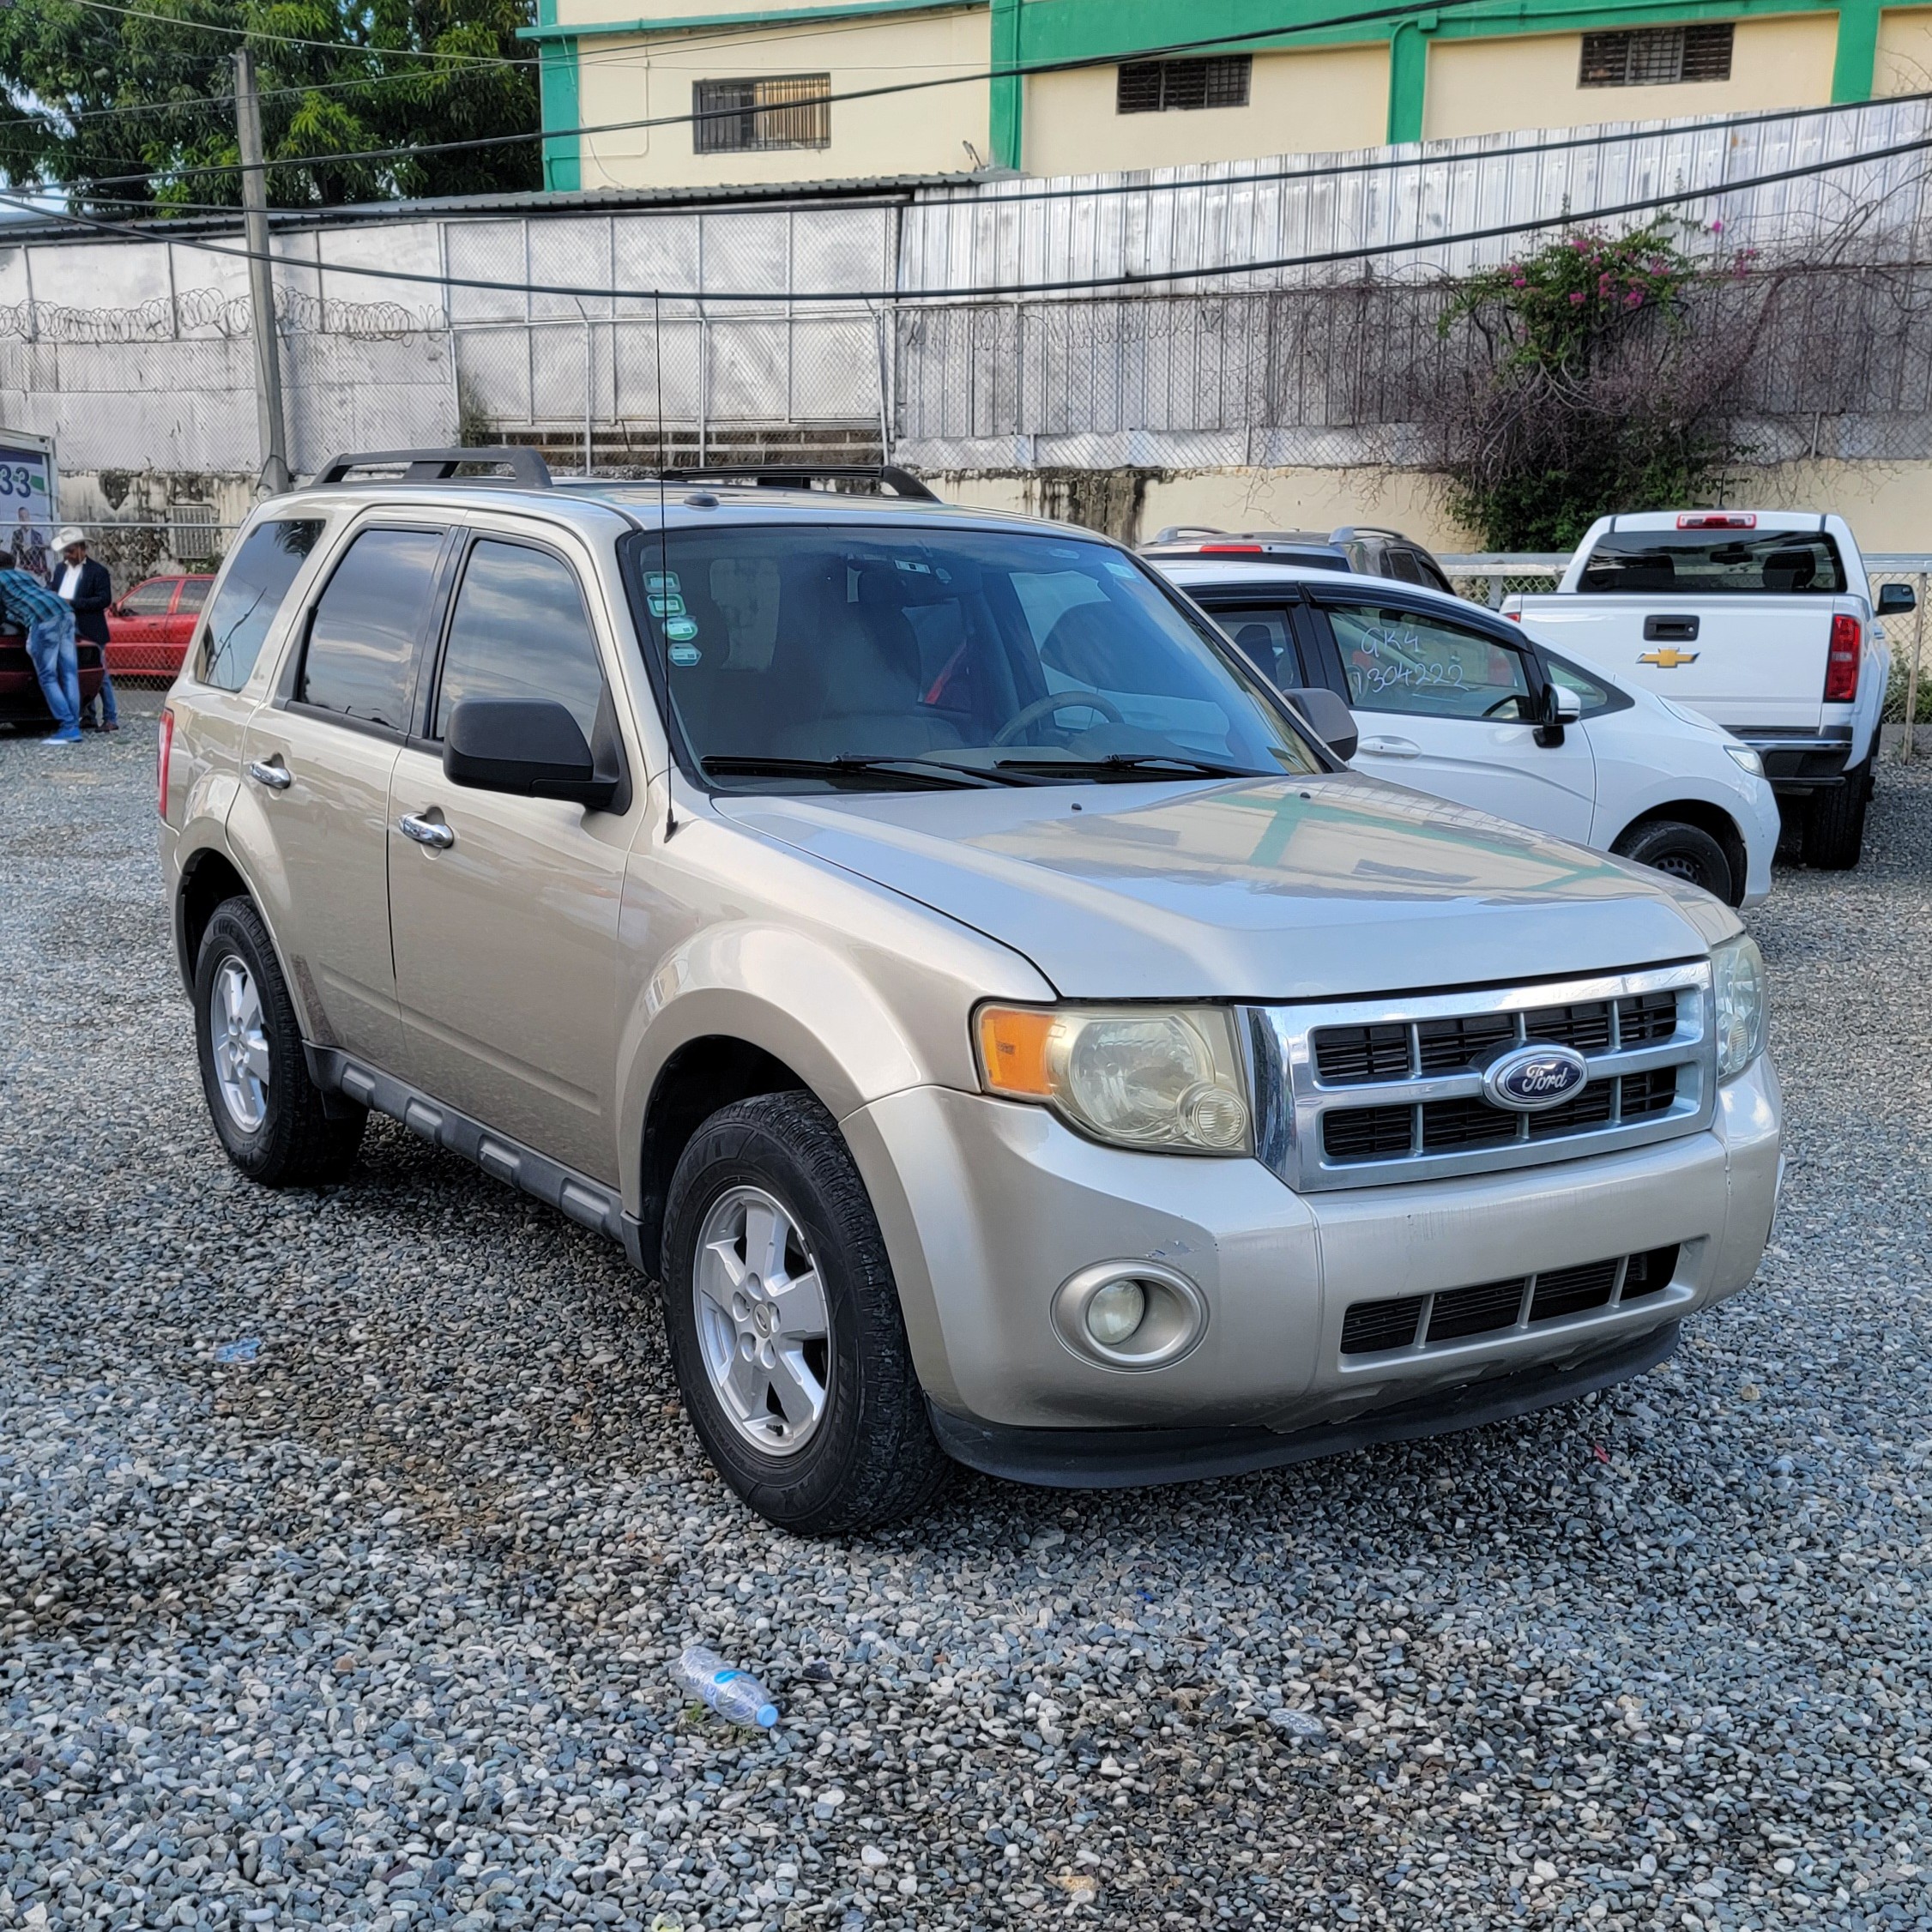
(1115, 1311)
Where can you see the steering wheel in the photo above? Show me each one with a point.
(1057, 701)
(1513, 698)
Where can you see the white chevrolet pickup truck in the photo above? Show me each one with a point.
(1764, 621)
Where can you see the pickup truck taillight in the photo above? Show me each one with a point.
(163, 751)
(1841, 668)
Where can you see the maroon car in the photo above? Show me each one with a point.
(20, 702)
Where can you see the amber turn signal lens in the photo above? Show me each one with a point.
(1013, 1050)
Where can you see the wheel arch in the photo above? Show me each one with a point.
(1708, 817)
(209, 876)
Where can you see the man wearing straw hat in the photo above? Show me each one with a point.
(87, 586)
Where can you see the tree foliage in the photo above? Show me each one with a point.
(1583, 389)
(122, 109)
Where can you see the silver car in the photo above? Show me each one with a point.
(1004, 1026)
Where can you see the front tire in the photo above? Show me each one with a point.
(1683, 851)
(1834, 832)
(269, 1115)
(785, 1327)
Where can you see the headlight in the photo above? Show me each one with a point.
(1167, 1078)
(1746, 759)
(1737, 977)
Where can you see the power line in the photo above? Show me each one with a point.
(1071, 285)
(295, 40)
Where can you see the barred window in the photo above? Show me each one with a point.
(1152, 86)
(1649, 56)
(753, 116)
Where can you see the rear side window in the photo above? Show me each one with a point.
(1264, 637)
(151, 599)
(194, 594)
(361, 657)
(251, 595)
(520, 629)
(1714, 564)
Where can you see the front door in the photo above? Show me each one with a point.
(504, 924)
(317, 765)
(1449, 708)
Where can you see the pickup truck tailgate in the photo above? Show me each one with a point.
(1749, 664)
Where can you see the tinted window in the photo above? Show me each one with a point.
(520, 631)
(151, 599)
(362, 643)
(1266, 639)
(995, 652)
(251, 594)
(1715, 563)
(1402, 660)
(1401, 565)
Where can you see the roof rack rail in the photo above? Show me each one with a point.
(798, 476)
(436, 465)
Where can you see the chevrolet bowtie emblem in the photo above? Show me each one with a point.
(1669, 658)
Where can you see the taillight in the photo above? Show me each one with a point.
(1841, 668)
(1514, 617)
(1719, 520)
(166, 747)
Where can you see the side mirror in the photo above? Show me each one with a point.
(1327, 717)
(1560, 709)
(528, 747)
(1894, 599)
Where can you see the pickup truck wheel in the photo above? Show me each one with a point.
(269, 1115)
(1684, 851)
(785, 1325)
(1834, 832)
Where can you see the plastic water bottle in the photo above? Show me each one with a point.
(733, 1694)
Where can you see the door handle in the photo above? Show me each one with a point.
(274, 774)
(1391, 747)
(426, 831)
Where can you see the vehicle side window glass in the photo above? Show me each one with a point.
(1264, 638)
(1401, 567)
(1433, 579)
(194, 594)
(1593, 697)
(151, 599)
(520, 629)
(1402, 660)
(250, 598)
(362, 642)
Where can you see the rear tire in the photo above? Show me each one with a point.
(1684, 851)
(830, 1435)
(1834, 832)
(269, 1115)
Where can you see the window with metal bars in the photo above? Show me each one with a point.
(1154, 87)
(752, 116)
(1649, 56)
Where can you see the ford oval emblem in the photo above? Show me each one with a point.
(1532, 1077)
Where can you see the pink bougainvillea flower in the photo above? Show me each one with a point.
(1576, 295)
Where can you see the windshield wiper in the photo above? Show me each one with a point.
(854, 766)
(1136, 762)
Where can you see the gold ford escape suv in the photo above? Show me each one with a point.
(1002, 1025)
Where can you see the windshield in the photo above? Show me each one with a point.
(800, 658)
(1711, 563)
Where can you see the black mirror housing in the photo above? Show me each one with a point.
(1327, 717)
(527, 747)
(1894, 599)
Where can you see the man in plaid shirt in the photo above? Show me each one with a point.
(48, 621)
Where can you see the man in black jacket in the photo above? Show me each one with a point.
(87, 586)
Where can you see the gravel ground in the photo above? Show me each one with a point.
(373, 1628)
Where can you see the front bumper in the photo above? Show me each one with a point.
(987, 1207)
(1798, 763)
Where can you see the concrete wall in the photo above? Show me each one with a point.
(1310, 103)
(629, 78)
(1493, 86)
(1904, 64)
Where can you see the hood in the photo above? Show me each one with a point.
(1261, 889)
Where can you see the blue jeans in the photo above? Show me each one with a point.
(50, 644)
(110, 713)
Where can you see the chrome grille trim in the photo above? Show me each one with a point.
(1292, 1099)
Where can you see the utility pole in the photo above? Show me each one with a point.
(261, 279)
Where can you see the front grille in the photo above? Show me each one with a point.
(1374, 1134)
(1428, 1321)
(1370, 1092)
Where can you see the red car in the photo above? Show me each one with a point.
(150, 629)
(20, 702)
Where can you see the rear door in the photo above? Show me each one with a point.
(1263, 631)
(505, 928)
(137, 636)
(316, 763)
(1450, 708)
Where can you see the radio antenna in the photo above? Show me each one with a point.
(663, 549)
